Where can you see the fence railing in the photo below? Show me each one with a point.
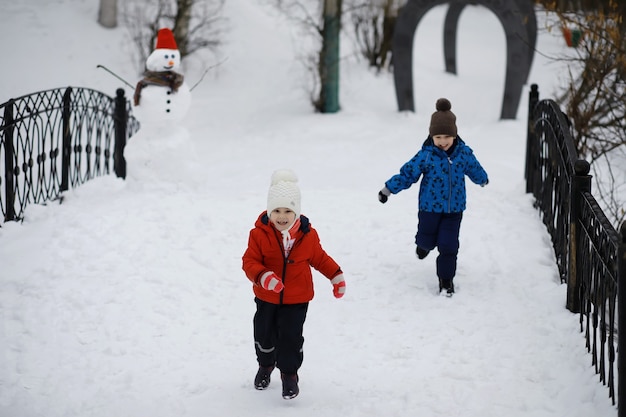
(56, 139)
(590, 253)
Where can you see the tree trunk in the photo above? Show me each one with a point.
(389, 25)
(329, 57)
(107, 15)
(181, 25)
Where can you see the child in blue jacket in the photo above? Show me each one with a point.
(443, 162)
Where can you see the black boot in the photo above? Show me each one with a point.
(421, 253)
(446, 285)
(290, 385)
(262, 378)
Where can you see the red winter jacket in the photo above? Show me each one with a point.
(265, 253)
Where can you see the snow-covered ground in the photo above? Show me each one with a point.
(129, 299)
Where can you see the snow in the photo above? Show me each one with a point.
(129, 300)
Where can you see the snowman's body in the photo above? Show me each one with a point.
(160, 104)
(160, 151)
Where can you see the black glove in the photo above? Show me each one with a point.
(383, 195)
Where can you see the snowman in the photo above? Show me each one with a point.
(162, 95)
(160, 151)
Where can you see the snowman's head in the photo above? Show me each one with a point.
(163, 60)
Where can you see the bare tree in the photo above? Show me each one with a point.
(595, 97)
(182, 23)
(196, 24)
(373, 24)
(320, 24)
(107, 14)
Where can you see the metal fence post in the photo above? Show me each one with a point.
(581, 182)
(621, 317)
(67, 139)
(533, 99)
(9, 156)
(121, 121)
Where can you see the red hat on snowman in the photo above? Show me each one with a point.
(165, 39)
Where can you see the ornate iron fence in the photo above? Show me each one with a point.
(590, 253)
(54, 139)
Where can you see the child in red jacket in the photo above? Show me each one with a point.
(282, 248)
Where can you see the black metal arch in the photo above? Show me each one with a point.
(527, 9)
(518, 20)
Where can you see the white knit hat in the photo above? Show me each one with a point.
(284, 191)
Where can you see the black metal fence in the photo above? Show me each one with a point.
(54, 139)
(590, 253)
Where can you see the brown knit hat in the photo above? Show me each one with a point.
(443, 121)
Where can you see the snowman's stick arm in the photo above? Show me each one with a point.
(115, 75)
(205, 72)
(200, 80)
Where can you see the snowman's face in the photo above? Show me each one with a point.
(163, 60)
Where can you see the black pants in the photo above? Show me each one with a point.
(278, 336)
(440, 230)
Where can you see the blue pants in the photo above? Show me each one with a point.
(440, 230)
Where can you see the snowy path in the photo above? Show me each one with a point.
(129, 300)
(133, 302)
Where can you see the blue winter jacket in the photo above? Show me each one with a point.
(442, 189)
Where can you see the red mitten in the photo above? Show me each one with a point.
(339, 286)
(271, 282)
